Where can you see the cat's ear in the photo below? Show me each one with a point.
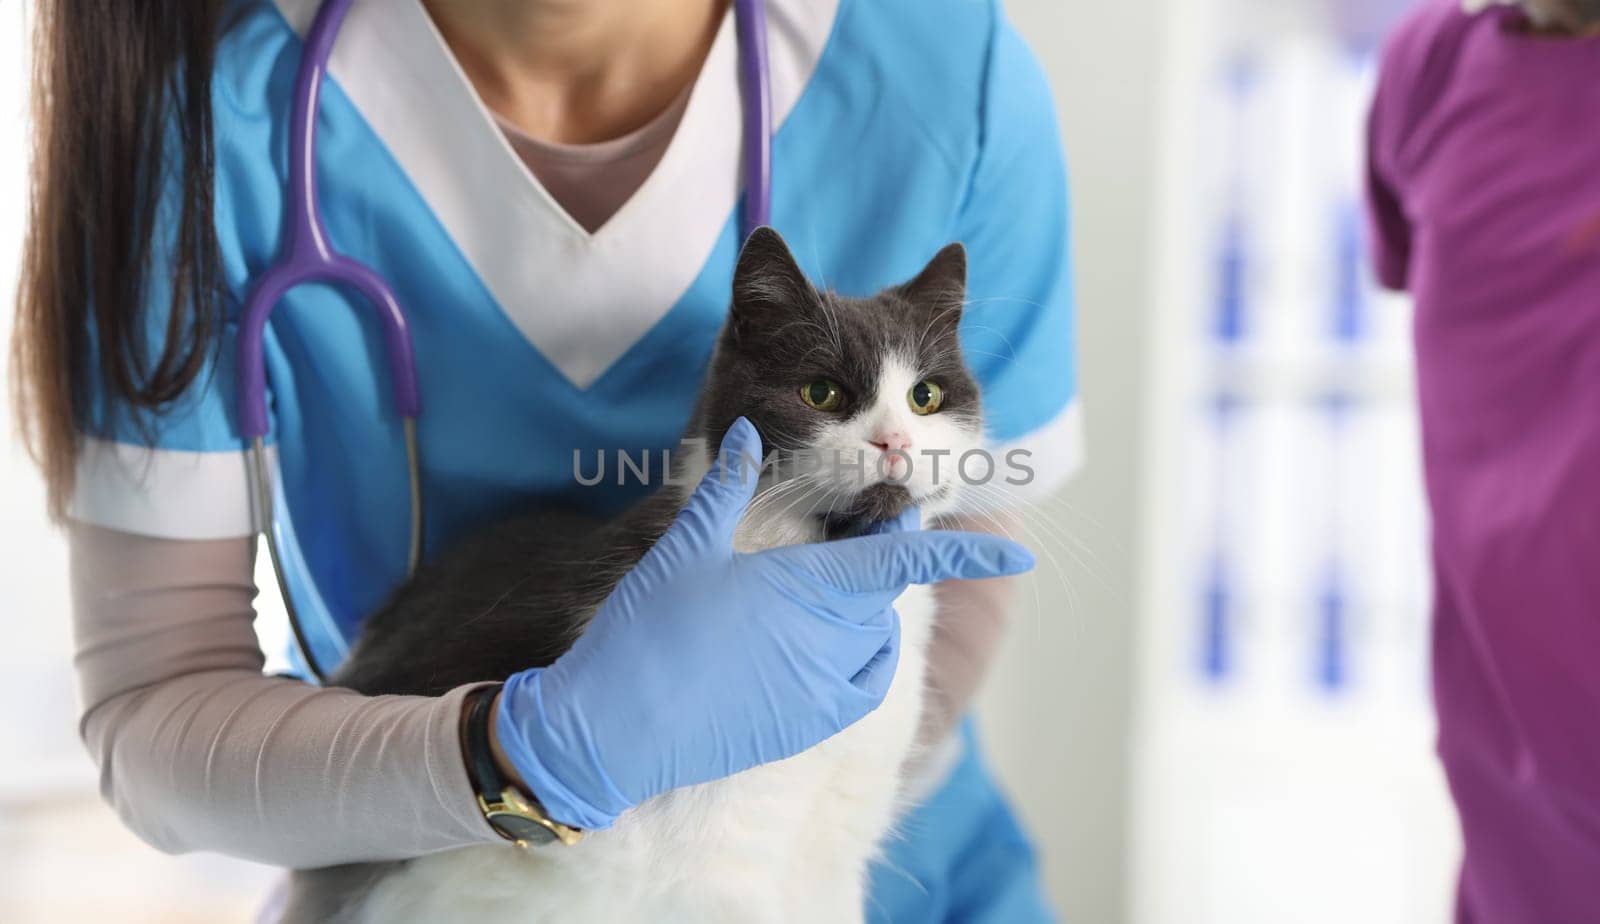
(767, 283)
(940, 290)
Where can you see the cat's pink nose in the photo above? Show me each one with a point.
(894, 441)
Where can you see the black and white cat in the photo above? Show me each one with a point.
(822, 377)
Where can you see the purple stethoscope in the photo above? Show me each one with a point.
(309, 257)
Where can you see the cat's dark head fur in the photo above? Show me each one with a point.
(784, 335)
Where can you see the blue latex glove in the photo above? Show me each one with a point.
(704, 661)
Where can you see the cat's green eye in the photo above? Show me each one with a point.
(822, 395)
(925, 397)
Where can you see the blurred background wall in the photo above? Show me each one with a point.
(1212, 704)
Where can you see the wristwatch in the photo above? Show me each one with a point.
(514, 814)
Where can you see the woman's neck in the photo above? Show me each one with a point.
(578, 71)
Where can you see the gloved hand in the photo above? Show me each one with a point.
(704, 661)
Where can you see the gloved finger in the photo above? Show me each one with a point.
(909, 520)
(719, 501)
(873, 680)
(888, 563)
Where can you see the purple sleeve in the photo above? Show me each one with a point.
(1415, 70)
(1389, 229)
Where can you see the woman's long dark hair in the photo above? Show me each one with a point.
(121, 109)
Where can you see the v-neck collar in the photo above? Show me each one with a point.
(702, 118)
(581, 299)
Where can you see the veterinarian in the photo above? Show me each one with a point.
(555, 192)
(1485, 201)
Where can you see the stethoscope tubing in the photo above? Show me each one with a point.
(755, 74)
(309, 257)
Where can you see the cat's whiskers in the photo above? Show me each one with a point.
(820, 494)
(984, 327)
(1046, 536)
(833, 321)
(1034, 614)
(1036, 506)
(760, 508)
(937, 319)
(1018, 302)
(771, 496)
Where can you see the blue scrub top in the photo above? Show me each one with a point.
(961, 857)
(900, 125)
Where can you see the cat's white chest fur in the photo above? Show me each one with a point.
(783, 843)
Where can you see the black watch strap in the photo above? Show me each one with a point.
(515, 815)
(487, 781)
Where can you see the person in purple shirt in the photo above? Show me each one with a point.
(1484, 194)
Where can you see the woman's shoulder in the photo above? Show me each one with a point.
(1426, 53)
(1429, 37)
(926, 46)
(954, 64)
(257, 45)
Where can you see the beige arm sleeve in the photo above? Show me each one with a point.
(198, 750)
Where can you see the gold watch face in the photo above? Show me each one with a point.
(520, 819)
(527, 832)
